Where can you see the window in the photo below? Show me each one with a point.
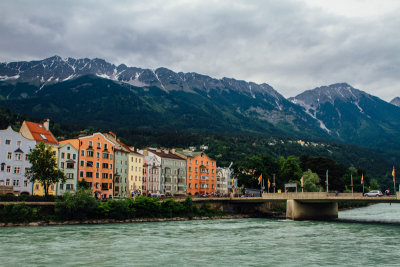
(190, 160)
(195, 177)
(98, 155)
(8, 142)
(15, 182)
(68, 147)
(68, 155)
(104, 175)
(190, 177)
(89, 153)
(110, 185)
(9, 155)
(212, 171)
(82, 163)
(105, 146)
(97, 175)
(70, 165)
(18, 156)
(89, 174)
(8, 168)
(37, 187)
(105, 155)
(18, 143)
(70, 176)
(136, 160)
(89, 163)
(190, 169)
(70, 187)
(74, 156)
(110, 166)
(25, 183)
(212, 163)
(62, 165)
(139, 160)
(61, 186)
(82, 152)
(52, 187)
(81, 174)
(195, 169)
(90, 143)
(190, 185)
(43, 137)
(104, 165)
(196, 161)
(62, 155)
(195, 185)
(98, 145)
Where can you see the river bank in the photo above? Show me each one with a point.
(113, 221)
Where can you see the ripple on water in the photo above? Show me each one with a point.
(245, 242)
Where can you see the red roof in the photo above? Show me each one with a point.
(40, 134)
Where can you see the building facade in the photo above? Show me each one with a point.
(201, 173)
(153, 174)
(96, 159)
(135, 173)
(224, 181)
(68, 163)
(173, 171)
(40, 132)
(13, 161)
(121, 167)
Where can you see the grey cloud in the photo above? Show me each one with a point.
(283, 43)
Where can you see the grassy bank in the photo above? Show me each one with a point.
(81, 206)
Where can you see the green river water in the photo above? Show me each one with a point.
(367, 236)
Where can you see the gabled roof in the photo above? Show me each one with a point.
(40, 134)
(168, 155)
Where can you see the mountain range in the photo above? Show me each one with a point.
(94, 92)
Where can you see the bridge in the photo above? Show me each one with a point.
(299, 206)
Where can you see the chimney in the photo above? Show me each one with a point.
(46, 124)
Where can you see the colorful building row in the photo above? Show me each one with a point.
(110, 168)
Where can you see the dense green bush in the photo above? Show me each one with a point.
(77, 206)
(81, 205)
(146, 207)
(29, 198)
(117, 209)
(17, 213)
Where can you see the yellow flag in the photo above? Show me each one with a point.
(259, 179)
(362, 178)
(393, 174)
(269, 183)
(301, 180)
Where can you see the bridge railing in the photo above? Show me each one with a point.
(311, 195)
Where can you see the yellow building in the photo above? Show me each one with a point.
(135, 172)
(41, 133)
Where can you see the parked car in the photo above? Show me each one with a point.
(373, 193)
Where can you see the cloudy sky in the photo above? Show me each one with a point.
(293, 45)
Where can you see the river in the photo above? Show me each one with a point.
(361, 237)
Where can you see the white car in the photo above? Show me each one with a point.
(373, 193)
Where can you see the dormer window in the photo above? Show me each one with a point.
(43, 137)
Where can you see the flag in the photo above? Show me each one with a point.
(301, 180)
(362, 178)
(393, 174)
(269, 183)
(259, 179)
(233, 181)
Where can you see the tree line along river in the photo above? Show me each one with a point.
(361, 237)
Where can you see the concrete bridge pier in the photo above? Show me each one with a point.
(296, 210)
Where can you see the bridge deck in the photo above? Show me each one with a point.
(307, 197)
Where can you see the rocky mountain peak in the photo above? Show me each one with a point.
(395, 101)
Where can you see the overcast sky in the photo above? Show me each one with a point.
(292, 45)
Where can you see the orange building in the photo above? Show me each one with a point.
(40, 132)
(96, 159)
(201, 173)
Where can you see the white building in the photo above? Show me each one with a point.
(13, 161)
